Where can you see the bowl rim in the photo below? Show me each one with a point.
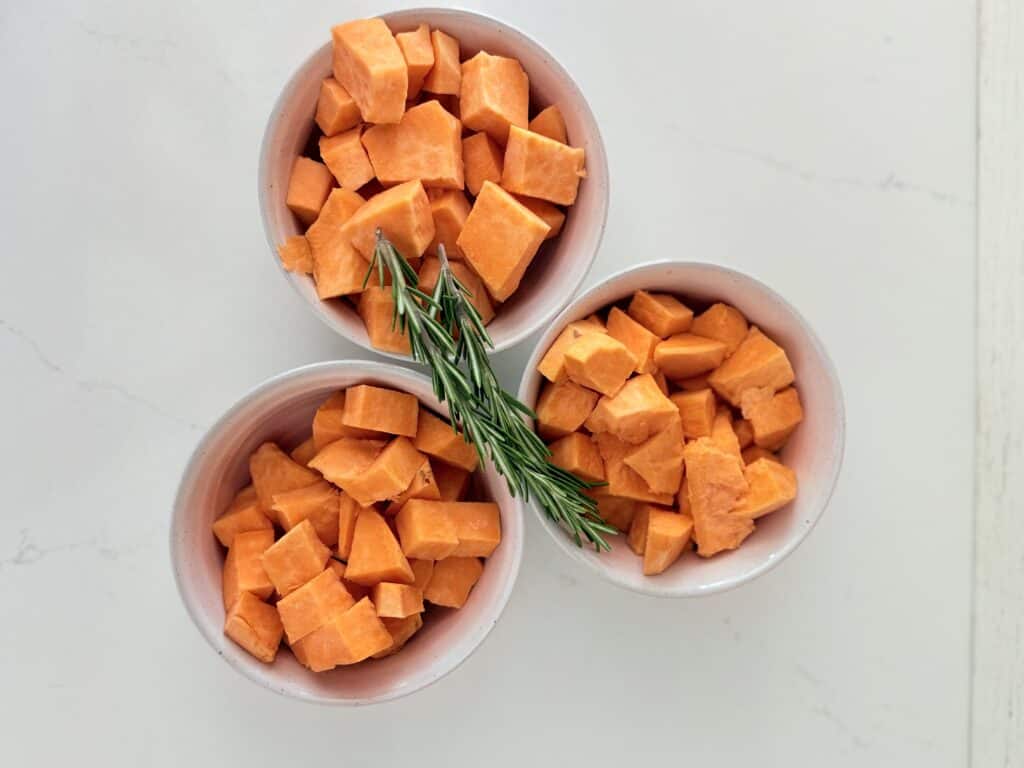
(318, 307)
(650, 586)
(384, 371)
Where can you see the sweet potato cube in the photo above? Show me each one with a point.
(495, 95)
(754, 452)
(450, 209)
(346, 461)
(436, 437)
(426, 144)
(446, 74)
(402, 213)
(599, 362)
(273, 471)
(369, 65)
(303, 452)
(345, 157)
(715, 483)
(693, 383)
(639, 410)
(622, 480)
(500, 238)
(423, 486)
(308, 187)
(614, 510)
(328, 424)
(243, 514)
(348, 511)
(346, 638)
(478, 296)
(774, 421)
(381, 409)
(295, 255)
(477, 526)
(317, 503)
(313, 604)
(377, 309)
(722, 322)
(396, 601)
(243, 567)
(427, 529)
(482, 161)
(418, 52)
(453, 579)
(723, 435)
(422, 571)
(661, 314)
(552, 215)
(376, 555)
(696, 411)
(336, 110)
(637, 339)
(255, 626)
(668, 533)
(685, 355)
(757, 362)
(552, 365)
(549, 122)
(401, 630)
(744, 432)
(295, 558)
(772, 486)
(337, 267)
(563, 408)
(540, 167)
(391, 472)
(659, 460)
(637, 537)
(452, 481)
(577, 453)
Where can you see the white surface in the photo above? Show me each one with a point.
(826, 147)
(997, 733)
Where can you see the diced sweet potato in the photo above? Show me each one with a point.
(637, 538)
(685, 355)
(391, 472)
(308, 187)
(401, 631)
(614, 510)
(345, 157)
(661, 314)
(478, 296)
(317, 503)
(255, 626)
(423, 486)
(381, 409)
(446, 74)
(622, 480)
(552, 365)
(477, 526)
(337, 267)
(402, 213)
(715, 483)
(427, 530)
(577, 453)
(549, 122)
(453, 579)
(358, 591)
(540, 167)
(348, 511)
(696, 410)
(347, 638)
(500, 238)
(346, 460)
(418, 52)
(755, 452)
(243, 567)
(336, 110)
(757, 362)
(562, 409)
(482, 161)
(426, 144)
(273, 471)
(722, 322)
(636, 338)
(774, 420)
(722, 434)
(450, 209)
(659, 460)
(436, 437)
(375, 554)
(377, 309)
(243, 514)
(295, 255)
(744, 432)
(668, 533)
(328, 424)
(553, 216)
(452, 481)
(369, 65)
(495, 95)
(599, 362)
(313, 604)
(396, 601)
(295, 558)
(304, 451)
(422, 571)
(771, 487)
(693, 383)
(636, 412)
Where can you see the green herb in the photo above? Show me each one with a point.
(447, 335)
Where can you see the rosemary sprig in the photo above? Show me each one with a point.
(447, 335)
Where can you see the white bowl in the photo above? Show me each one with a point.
(282, 409)
(815, 451)
(560, 265)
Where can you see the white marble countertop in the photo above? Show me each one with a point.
(827, 148)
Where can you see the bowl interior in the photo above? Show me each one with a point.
(560, 265)
(282, 410)
(814, 452)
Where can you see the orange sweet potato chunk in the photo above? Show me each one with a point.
(599, 362)
(295, 255)
(696, 411)
(435, 437)
(549, 122)
(722, 322)
(563, 408)
(255, 626)
(303, 452)
(495, 95)
(376, 555)
(295, 558)
(273, 471)
(243, 514)
(423, 486)
(317, 503)
(396, 601)
(668, 533)
(576, 453)
(723, 435)
(637, 411)
(336, 110)
(391, 472)
(403, 215)
(757, 362)
(772, 486)
(659, 460)
(426, 145)
(426, 529)
(715, 483)
(346, 159)
(482, 160)
(614, 510)
(346, 460)
(369, 64)
(661, 314)
(622, 480)
(685, 355)
(381, 409)
(755, 452)
(328, 425)
(446, 74)
(450, 209)
(552, 215)
(418, 52)
(243, 568)
(540, 167)
(453, 580)
(347, 638)
(401, 631)
(637, 538)
(477, 526)
(313, 604)
(338, 268)
(774, 420)
(308, 187)
(452, 481)
(744, 432)
(377, 309)
(636, 338)
(552, 365)
(478, 295)
(500, 238)
(348, 511)
(422, 570)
